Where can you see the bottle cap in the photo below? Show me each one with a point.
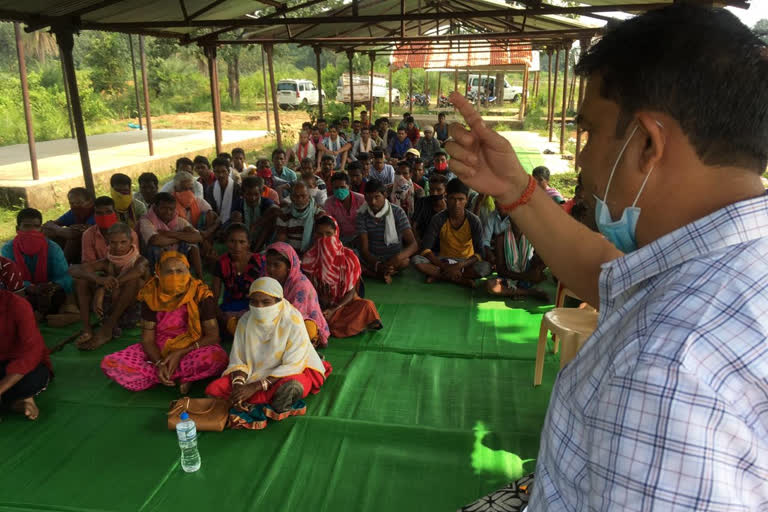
(184, 416)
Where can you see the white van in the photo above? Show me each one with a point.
(295, 93)
(362, 89)
(511, 93)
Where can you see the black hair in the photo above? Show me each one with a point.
(277, 151)
(200, 159)
(183, 161)
(220, 162)
(238, 150)
(321, 120)
(702, 67)
(377, 154)
(118, 179)
(417, 160)
(104, 201)
(364, 112)
(307, 160)
(404, 163)
(401, 128)
(261, 161)
(373, 186)
(441, 114)
(164, 197)
(235, 227)
(540, 173)
(252, 181)
(81, 191)
(456, 186)
(340, 176)
(325, 221)
(28, 213)
(306, 124)
(149, 177)
(410, 119)
(345, 118)
(281, 256)
(328, 157)
(358, 121)
(354, 166)
(226, 156)
(439, 152)
(363, 156)
(437, 179)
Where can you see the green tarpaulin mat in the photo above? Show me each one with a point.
(430, 413)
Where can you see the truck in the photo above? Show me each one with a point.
(511, 92)
(362, 91)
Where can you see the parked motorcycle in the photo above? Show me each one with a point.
(443, 101)
(418, 100)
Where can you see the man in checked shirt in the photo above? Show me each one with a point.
(666, 405)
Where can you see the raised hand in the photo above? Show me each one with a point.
(482, 158)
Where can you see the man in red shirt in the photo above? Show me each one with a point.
(25, 368)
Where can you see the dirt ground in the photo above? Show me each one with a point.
(253, 120)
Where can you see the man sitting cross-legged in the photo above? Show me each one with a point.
(453, 243)
(518, 266)
(109, 287)
(163, 230)
(385, 237)
(48, 285)
(25, 368)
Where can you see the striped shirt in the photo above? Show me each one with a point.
(375, 229)
(666, 406)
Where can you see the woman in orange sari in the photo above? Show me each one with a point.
(180, 335)
(335, 272)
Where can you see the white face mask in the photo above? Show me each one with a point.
(265, 315)
(621, 232)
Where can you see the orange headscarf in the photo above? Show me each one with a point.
(153, 295)
(187, 200)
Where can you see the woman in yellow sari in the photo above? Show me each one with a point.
(180, 335)
(272, 360)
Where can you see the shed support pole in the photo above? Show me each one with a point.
(275, 108)
(213, 74)
(25, 100)
(66, 43)
(145, 86)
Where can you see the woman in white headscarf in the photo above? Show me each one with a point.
(272, 360)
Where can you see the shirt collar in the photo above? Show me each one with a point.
(735, 224)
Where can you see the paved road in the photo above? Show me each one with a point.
(60, 158)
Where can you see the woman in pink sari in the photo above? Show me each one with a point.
(284, 265)
(180, 335)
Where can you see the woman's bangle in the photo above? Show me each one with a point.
(197, 345)
(264, 385)
(238, 380)
(524, 198)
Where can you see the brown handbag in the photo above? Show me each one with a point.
(209, 414)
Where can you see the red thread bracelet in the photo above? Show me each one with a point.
(524, 199)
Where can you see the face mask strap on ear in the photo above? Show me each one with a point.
(637, 197)
(618, 159)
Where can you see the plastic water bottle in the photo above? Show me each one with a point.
(187, 434)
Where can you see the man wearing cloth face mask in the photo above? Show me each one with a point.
(664, 406)
(128, 209)
(343, 206)
(95, 237)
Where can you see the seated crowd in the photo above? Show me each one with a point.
(288, 242)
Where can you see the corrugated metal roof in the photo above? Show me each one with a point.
(461, 55)
(192, 19)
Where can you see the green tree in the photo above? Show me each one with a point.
(108, 58)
